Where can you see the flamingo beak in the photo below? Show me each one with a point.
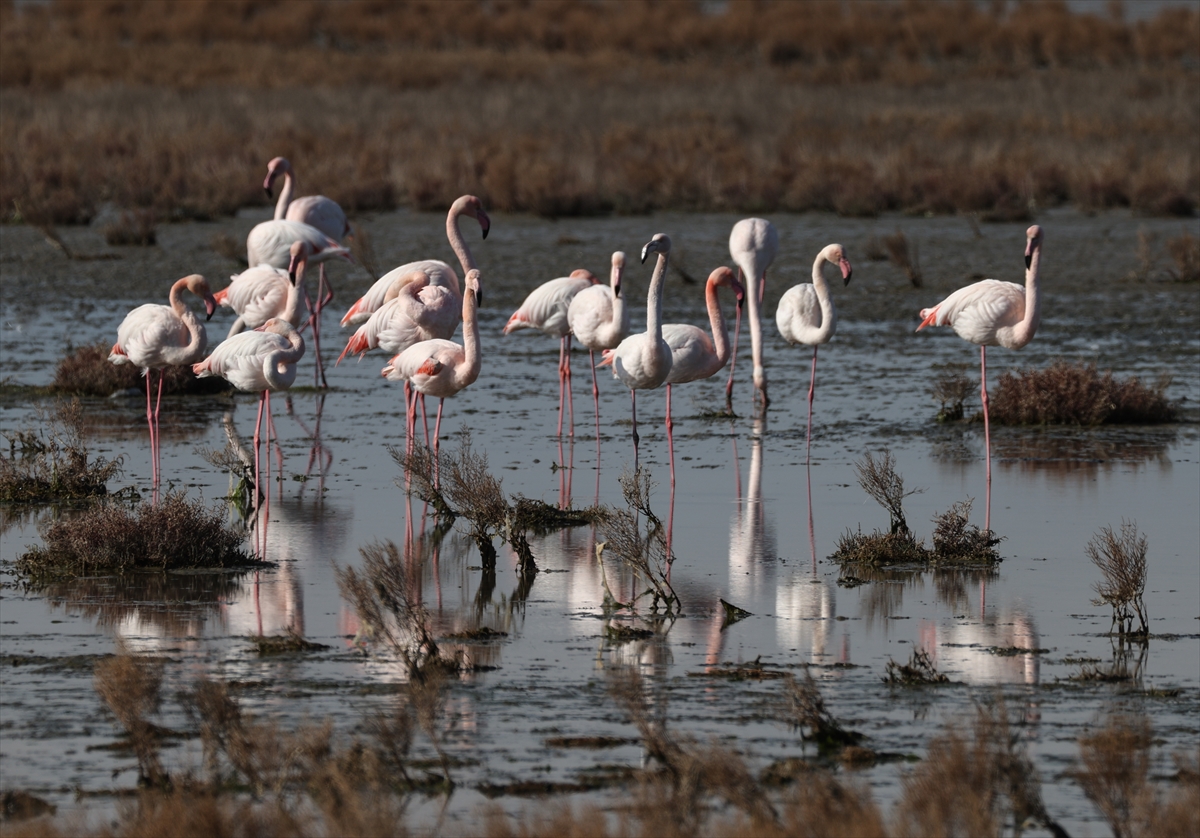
(847, 271)
(210, 307)
(617, 290)
(485, 223)
(478, 296)
(646, 252)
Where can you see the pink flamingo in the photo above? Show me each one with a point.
(694, 355)
(753, 244)
(414, 310)
(599, 318)
(156, 336)
(263, 292)
(439, 272)
(441, 367)
(261, 361)
(643, 361)
(994, 313)
(545, 309)
(806, 314)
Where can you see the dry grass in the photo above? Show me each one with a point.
(956, 541)
(1184, 251)
(169, 107)
(131, 687)
(904, 257)
(51, 464)
(1114, 771)
(135, 227)
(175, 534)
(86, 371)
(1077, 394)
(919, 670)
(1122, 563)
(645, 553)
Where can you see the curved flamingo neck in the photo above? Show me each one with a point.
(198, 337)
(821, 287)
(654, 298)
(717, 319)
(473, 360)
(285, 194)
(754, 278)
(457, 243)
(280, 366)
(1024, 331)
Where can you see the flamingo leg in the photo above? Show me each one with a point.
(424, 418)
(987, 437)
(812, 540)
(410, 419)
(150, 426)
(324, 295)
(437, 429)
(267, 494)
(737, 328)
(670, 530)
(562, 348)
(633, 397)
(812, 388)
(158, 432)
(257, 467)
(595, 391)
(670, 440)
(567, 379)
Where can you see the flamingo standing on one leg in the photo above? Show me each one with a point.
(156, 336)
(599, 318)
(994, 313)
(260, 361)
(316, 211)
(439, 272)
(694, 355)
(753, 243)
(806, 314)
(643, 361)
(265, 292)
(546, 309)
(441, 367)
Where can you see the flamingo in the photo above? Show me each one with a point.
(806, 314)
(260, 361)
(316, 211)
(441, 367)
(546, 309)
(439, 272)
(599, 318)
(643, 361)
(693, 354)
(753, 244)
(414, 310)
(156, 336)
(994, 313)
(260, 293)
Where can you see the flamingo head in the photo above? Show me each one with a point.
(471, 206)
(836, 254)
(724, 276)
(198, 285)
(660, 244)
(275, 168)
(584, 273)
(1033, 239)
(473, 287)
(276, 325)
(301, 251)
(618, 269)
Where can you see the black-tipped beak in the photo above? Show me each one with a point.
(1028, 260)
(267, 189)
(210, 308)
(617, 290)
(741, 301)
(292, 275)
(645, 253)
(478, 296)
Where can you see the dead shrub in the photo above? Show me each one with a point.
(52, 463)
(131, 687)
(645, 554)
(879, 479)
(919, 670)
(1068, 393)
(1184, 250)
(956, 541)
(1114, 770)
(175, 534)
(950, 390)
(134, 227)
(1122, 563)
(807, 711)
(86, 371)
(904, 257)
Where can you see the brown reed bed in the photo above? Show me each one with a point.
(1068, 393)
(86, 371)
(597, 107)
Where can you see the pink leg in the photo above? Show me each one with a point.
(257, 467)
(812, 387)
(437, 430)
(567, 379)
(812, 540)
(410, 418)
(150, 425)
(322, 299)
(987, 436)
(562, 347)
(633, 397)
(267, 494)
(158, 431)
(737, 327)
(670, 437)
(595, 391)
(424, 418)
(670, 530)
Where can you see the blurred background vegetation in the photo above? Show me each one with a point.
(575, 107)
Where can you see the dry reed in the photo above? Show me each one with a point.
(647, 554)
(131, 687)
(86, 371)
(919, 670)
(1122, 563)
(1078, 394)
(52, 464)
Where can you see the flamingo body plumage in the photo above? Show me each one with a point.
(417, 310)
(270, 243)
(753, 244)
(694, 354)
(599, 319)
(257, 294)
(315, 210)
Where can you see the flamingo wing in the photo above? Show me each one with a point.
(146, 336)
(257, 294)
(270, 243)
(546, 306)
(320, 212)
(240, 360)
(977, 312)
(693, 356)
(439, 273)
(799, 314)
(590, 317)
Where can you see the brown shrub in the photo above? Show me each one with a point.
(86, 371)
(132, 228)
(919, 670)
(131, 687)
(956, 541)
(1077, 394)
(1122, 562)
(53, 463)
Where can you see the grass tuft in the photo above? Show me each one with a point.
(1078, 394)
(86, 371)
(956, 541)
(52, 464)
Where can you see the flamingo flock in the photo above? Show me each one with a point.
(413, 312)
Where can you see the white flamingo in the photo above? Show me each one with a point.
(994, 313)
(599, 319)
(438, 271)
(753, 243)
(414, 310)
(806, 314)
(263, 292)
(643, 361)
(156, 336)
(545, 309)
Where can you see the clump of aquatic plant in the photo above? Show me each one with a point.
(1185, 253)
(1122, 563)
(904, 257)
(956, 541)
(973, 785)
(134, 227)
(950, 390)
(51, 464)
(282, 644)
(175, 534)
(919, 670)
(236, 459)
(131, 687)
(1078, 394)
(1114, 771)
(879, 479)
(648, 553)
(86, 371)
(807, 710)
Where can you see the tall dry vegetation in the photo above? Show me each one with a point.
(1122, 563)
(562, 107)
(1066, 393)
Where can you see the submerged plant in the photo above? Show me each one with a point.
(52, 464)
(1122, 563)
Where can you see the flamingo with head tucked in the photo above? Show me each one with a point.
(545, 309)
(994, 313)
(599, 318)
(753, 243)
(157, 336)
(414, 310)
(643, 361)
(806, 314)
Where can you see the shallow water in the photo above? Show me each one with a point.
(740, 522)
